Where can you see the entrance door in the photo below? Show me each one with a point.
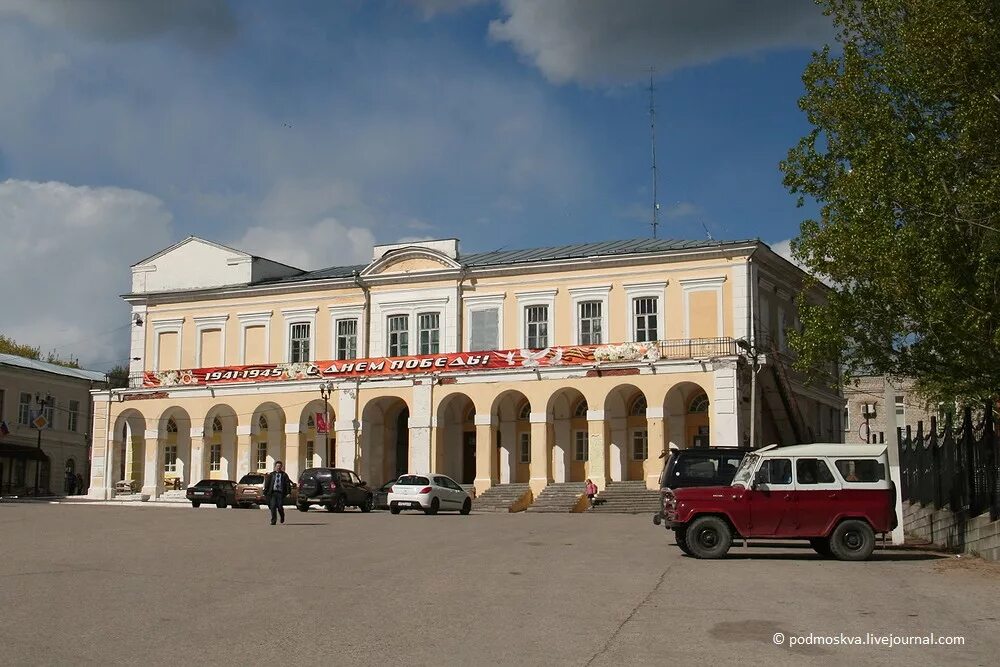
(468, 457)
(402, 443)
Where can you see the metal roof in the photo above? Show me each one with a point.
(503, 257)
(55, 369)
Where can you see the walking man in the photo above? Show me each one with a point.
(277, 485)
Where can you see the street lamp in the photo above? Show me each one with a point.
(325, 391)
(751, 351)
(42, 403)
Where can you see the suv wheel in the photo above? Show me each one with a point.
(368, 504)
(821, 545)
(337, 505)
(680, 535)
(466, 506)
(435, 506)
(303, 507)
(852, 540)
(708, 537)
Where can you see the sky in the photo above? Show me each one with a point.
(307, 131)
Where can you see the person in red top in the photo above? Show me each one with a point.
(591, 491)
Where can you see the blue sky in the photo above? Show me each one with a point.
(306, 131)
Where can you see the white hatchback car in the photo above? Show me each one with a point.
(430, 493)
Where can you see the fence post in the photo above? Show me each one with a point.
(896, 476)
(991, 461)
(936, 463)
(904, 464)
(969, 449)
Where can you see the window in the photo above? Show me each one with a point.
(640, 445)
(310, 452)
(24, 409)
(429, 332)
(645, 313)
(484, 329)
(261, 456)
(590, 323)
(216, 425)
(171, 426)
(638, 407)
(347, 339)
(262, 423)
(699, 404)
(49, 412)
(310, 422)
(536, 323)
(170, 458)
(812, 471)
(525, 412)
(860, 470)
(847, 418)
(777, 471)
(215, 457)
(782, 325)
(581, 410)
(399, 336)
(525, 450)
(299, 342)
(901, 406)
(580, 448)
(73, 417)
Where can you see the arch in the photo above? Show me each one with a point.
(628, 441)
(385, 440)
(570, 441)
(220, 448)
(174, 467)
(315, 448)
(128, 450)
(510, 411)
(686, 411)
(455, 450)
(267, 436)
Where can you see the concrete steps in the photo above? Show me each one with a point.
(173, 497)
(470, 489)
(503, 498)
(561, 497)
(627, 498)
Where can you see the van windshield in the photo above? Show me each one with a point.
(745, 470)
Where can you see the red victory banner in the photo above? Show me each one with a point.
(321, 425)
(492, 360)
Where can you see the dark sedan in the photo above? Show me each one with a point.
(381, 496)
(220, 492)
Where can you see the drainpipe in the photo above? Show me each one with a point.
(459, 317)
(752, 335)
(363, 353)
(108, 446)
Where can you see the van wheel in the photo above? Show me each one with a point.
(708, 537)
(852, 540)
(435, 506)
(302, 507)
(821, 545)
(466, 506)
(680, 535)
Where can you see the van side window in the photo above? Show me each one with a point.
(778, 471)
(813, 471)
(860, 470)
(696, 467)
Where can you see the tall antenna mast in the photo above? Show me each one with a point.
(652, 137)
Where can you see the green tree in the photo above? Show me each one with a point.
(118, 377)
(10, 346)
(904, 162)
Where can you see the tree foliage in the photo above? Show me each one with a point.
(118, 377)
(904, 161)
(10, 346)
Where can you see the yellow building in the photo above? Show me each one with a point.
(540, 366)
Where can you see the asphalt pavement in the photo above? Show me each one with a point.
(89, 584)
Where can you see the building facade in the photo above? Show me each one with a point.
(62, 397)
(877, 406)
(537, 366)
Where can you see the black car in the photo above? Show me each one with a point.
(381, 499)
(220, 492)
(699, 466)
(333, 488)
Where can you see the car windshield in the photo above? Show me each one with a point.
(252, 479)
(412, 480)
(317, 473)
(745, 470)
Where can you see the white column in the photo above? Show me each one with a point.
(561, 450)
(618, 448)
(244, 443)
(539, 467)
(420, 429)
(725, 427)
(347, 444)
(485, 453)
(596, 465)
(508, 447)
(152, 483)
(293, 442)
(198, 447)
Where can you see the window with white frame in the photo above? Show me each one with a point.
(399, 335)
(216, 425)
(215, 458)
(589, 323)
(699, 404)
(640, 444)
(429, 333)
(484, 329)
(581, 410)
(262, 423)
(261, 456)
(170, 458)
(49, 412)
(525, 448)
(580, 449)
(24, 409)
(536, 327)
(73, 416)
(310, 452)
(901, 406)
(347, 339)
(525, 412)
(171, 425)
(645, 311)
(298, 342)
(638, 406)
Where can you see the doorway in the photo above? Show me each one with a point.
(468, 457)
(402, 442)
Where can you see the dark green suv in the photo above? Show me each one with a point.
(333, 488)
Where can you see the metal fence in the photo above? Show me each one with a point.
(698, 348)
(955, 466)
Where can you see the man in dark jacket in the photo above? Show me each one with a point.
(277, 485)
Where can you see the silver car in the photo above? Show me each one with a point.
(430, 493)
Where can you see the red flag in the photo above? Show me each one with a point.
(321, 425)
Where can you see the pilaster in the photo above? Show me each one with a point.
(596, 465)
(538, 469)
(486, 473)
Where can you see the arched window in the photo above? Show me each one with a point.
(216, 425)
(310, 422)
(581, 410)
(638, 408)
(262, 423)
(171, 426)
(525, 412)
(471, 416)
(699, 404)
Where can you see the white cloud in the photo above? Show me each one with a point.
(65, 262)
(327, 242)
(431, 8)
(600, 42)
